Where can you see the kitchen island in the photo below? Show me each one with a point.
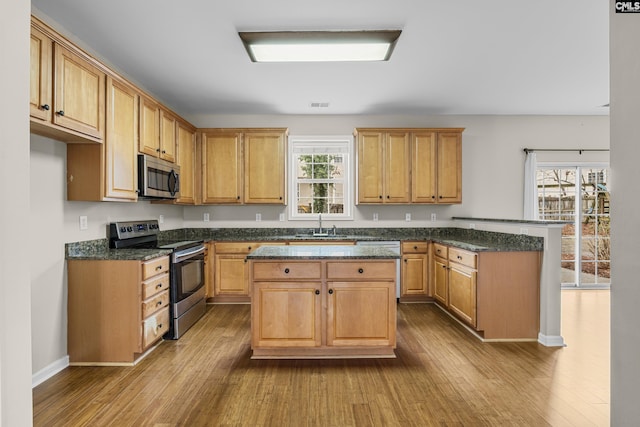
(323, 302)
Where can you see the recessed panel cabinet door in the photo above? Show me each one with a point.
(231, 275)
(423, 168)
(121, 143)
(462, 293)
(149, 127)
(289, 314)
(449, 168)
(370, 167)
(264, 166)
(186, 159)
(222, 168)
(397, 166)
(167, 136)
(40, 76)
(79, 94)
(440, 281)
(361, 313)
(414, 274)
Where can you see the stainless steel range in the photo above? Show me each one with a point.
(187, 287)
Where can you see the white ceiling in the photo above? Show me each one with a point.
(453, 57)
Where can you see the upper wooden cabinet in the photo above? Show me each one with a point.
(67, 91)
(383, 166)
(186, 159)
(100, 172)
(157, 131)
(409, 165)
(243, 166)
(264, 165)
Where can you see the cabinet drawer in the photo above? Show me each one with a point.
(414, 247)
(154, 285)
(154, 267)
(154, 327)
(381, 270)
(463, 257)
(155, 303)
(440, 250)
(286, 270)
(235, 247)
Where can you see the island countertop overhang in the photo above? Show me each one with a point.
(310, 252)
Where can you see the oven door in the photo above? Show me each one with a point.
(188, 272)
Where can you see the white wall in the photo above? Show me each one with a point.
(625, 233)
(15, 255)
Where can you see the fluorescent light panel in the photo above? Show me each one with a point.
(320, 46)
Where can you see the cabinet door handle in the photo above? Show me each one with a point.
(317, 292)
(361, 270)
(45, 107)
(60, 113)
(330, 291)
(286, 271)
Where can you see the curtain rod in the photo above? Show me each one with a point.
(579, 150)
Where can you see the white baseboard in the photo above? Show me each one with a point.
(48, 371)
(551, 340)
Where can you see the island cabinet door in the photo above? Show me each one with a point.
(286, 314)
(361, 314)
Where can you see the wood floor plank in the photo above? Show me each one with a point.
(442, 376)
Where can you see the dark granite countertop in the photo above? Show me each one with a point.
(305, 252)
(99, 250)
(469, 239)
(514, 221)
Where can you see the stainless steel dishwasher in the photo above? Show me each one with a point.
(391, 245)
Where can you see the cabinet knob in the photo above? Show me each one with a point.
(157, 150)
(388, 197)
(444, 266)
(159, 303)
(330, 291)
(317, 292)
(286, 271)
(60, 113)
(459, 257)
(249, 247)
(361, 270)
(433, 197)
(159, 326)
(164, 152)
(406, 260)
(280, 197)
(440, 197)
(45, 107)
(159, 285)
(380, 197)
(159, 268)
(415, 248)
(238, 198)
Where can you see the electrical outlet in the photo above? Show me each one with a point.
(433, 217)
(524, 231)
(161, 219)
(258, 217)
(472, 226)
(205, 217)
(375, 216)
(84, 223)
(407, 216)
(281, 217)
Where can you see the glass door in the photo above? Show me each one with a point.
(579, 194)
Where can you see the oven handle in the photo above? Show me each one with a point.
(181, 256)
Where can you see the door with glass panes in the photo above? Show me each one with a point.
(579, 194)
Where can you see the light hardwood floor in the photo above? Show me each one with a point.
(442, 376)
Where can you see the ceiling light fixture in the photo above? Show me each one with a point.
(320, 46)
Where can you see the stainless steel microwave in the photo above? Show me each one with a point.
(158, 178)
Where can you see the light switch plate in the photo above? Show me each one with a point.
(205, 217)
(84, 223)
(375, 216)
(258, 217)
(407, 216)
(161, 219)
(433, 217)
(282, 217)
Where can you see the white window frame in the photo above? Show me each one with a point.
(305, 144)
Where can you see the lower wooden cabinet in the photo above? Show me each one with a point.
(414, 271)
(231, 271)
(306, 309)
(117, 310)
(495, 293)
